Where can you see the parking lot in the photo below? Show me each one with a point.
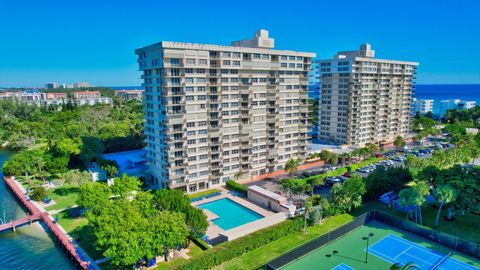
(393, 158)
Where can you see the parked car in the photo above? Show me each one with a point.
(348, 175)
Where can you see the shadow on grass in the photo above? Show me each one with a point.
(64, 191)
(85, 237)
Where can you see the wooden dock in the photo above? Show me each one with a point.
(19, 222)
(74, 251)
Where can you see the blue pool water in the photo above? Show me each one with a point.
(230, 214)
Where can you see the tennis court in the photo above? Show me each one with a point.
(387, 246)
(343, 267)
(395, 249)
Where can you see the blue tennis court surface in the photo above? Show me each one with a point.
(343, 267)
(395, 249)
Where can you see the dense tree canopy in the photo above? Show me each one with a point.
(71, 136)
(140, 226)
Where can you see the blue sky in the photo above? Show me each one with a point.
(94, 41)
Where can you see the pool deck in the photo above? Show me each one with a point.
(215, 232)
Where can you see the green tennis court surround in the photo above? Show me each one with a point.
(345, 248)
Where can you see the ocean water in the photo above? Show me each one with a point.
(438, 92)
(29, 247)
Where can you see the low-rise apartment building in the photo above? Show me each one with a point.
(130, 94)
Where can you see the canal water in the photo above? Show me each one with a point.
(29, 247)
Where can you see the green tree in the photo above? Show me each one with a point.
(122, 231)
(399, 142)
(291, 166)
(93, 196)
(38, 193)
(422, 189)
(177, 201)
(125, 184)
(76, 177)
(348, 195)
(91, 150)
(167, 231)
(444, 194)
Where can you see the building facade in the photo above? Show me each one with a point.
(364, 99)
(466, 104)
(215, 113)
(129, 94)
(423, 106)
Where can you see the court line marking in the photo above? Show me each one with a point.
(434, 254)
(392, 260)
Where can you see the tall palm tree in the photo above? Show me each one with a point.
(443, 194)
(344, 157)
(422, 189)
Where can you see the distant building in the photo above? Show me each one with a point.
(423, 106)
(129, 94)
(93, 101)
(81, 85)
(314, 94)
(446, 105)
(86, 94)
(364, 99)
(452, 104)
(51, 85)
(59, 98)
(58, 95)
(6, 95)
(54, 85)
(465, 105)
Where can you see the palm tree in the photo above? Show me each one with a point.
(238, 175)
(422, 189)
(406, 199)
(399, 142)
(344, 157)
(292, 166)
(443, 194)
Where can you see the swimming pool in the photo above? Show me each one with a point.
(230, 214)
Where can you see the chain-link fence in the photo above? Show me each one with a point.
(319, 241)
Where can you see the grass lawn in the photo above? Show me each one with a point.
(465, 227)
(260, 256)
(79, 229)
(65, 196)
(203, 193)
(195, 251)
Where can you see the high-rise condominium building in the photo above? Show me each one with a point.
(215, 113)
(364, 99)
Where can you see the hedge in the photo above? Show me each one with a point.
(201, 244)
(232, 185)
(232, 249)
(203, 193)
